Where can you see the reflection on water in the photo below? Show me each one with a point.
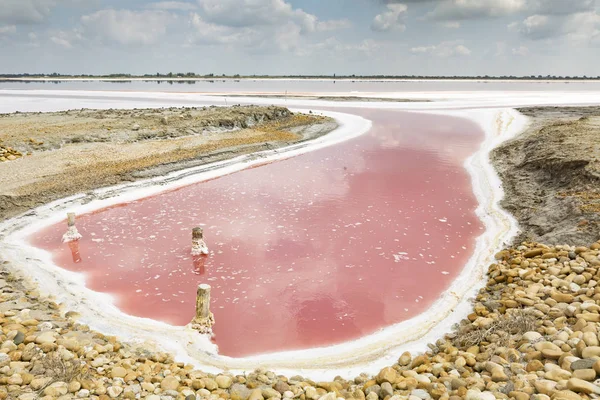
(309, 251)
(302, 86)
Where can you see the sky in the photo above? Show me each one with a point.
(302, 37)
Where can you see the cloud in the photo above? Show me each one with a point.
(252, 13)
(25, 11)
(522, 51)
(8, 30)
(451, 24)
(127, 27)
(172, 6)
(458, 10)
(579, 27)
(257, 26)
(207, 33)
(561, 7)
(390, 20)
(333, 25)
(536, 27)
(443, 50)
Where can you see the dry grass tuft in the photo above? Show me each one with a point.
(60, 370)
(509, 327)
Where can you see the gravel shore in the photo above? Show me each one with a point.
(533, 333)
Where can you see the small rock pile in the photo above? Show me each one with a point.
(533, 335)
(9, 154)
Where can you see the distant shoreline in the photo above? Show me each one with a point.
(313, 79)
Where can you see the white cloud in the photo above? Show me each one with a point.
(8, 30)
(580, 27)
(172, 5)
(248, 13)
(333, 25)
(206, 33)
(536, 27)
(457, 10)
(561, 7)
(257, 26)
(444, 50)
(451, 24)
(61, 42)
(522, 51)
(25, 11)
(127, 27)
(64, 39)
(390, 20)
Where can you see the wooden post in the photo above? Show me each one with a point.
(72, 234)
(198, 244)
(204, 320)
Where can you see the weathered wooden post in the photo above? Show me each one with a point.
(198, 244)
(72, 234)
(204, 320)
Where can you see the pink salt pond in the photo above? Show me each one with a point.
(310, 251)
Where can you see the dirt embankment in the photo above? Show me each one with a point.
(54, 155)
(551, 175)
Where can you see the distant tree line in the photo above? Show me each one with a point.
(193, 75)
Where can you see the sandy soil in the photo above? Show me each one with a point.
(551, 173)
(70, 152)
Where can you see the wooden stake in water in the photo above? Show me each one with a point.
(204, 320)
(198, 244)
(72, 234)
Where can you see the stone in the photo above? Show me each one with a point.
(405, 359)
(19, 338)
(270, 393)
(135, 127)
(57, 389)
(387, 374)
(83, 393)
(329, 396)
(581, 386)
(4, 360)
(114, 391)
(38, 383)
(257, 395)
(239, 392)
(583, 364)
(46, 337)
(281, 387)
(169, 383)
(476, 395)
(557, 374)
(544, 386)
(210, 384)
(532, 336)
(589, 352)
(421, 394)
(585, 374)
(386, 390)
(224, 381)
(118, 372)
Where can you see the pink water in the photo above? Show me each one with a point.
(310, 251)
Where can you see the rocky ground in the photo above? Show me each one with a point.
(551, 175)
(534, 334)
(47, 156)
